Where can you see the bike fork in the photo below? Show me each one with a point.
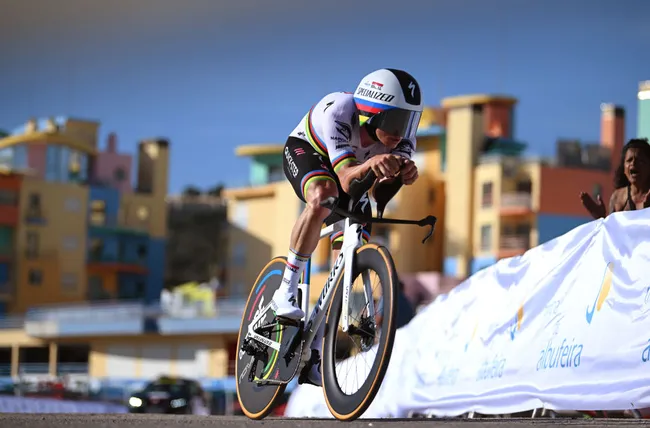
(303, 298)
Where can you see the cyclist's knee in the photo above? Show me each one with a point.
(318, 192)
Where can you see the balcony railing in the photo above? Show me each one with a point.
(72, 368)
(130, 310)
(113, 222)
(517, 200)
(111, 258)
(107, 312)
(33, 368)
(12, 323)
(35, 216)
(34, 254)
(5, 370)
(515, 242)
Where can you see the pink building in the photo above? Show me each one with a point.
(114, 168)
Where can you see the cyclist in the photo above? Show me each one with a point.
(342, 137)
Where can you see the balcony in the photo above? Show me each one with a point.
(116, 263)
(121, 318)
(115, 226)
(35, 217)
(87, 319)
(12, 323)
(71, 368)
(516, 203)
(513, 245)
(33, 368)
(33, 254)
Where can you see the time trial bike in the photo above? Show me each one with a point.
(271, 351)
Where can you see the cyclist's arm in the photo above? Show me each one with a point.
(383, 191)
(350, 171)
(340, 121)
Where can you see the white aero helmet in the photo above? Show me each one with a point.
(390, 100)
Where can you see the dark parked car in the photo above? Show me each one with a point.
(170, 395)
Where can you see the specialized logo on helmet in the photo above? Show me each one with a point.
(412, 88)
(375, 95)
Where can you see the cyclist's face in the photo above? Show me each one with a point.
(389, 140)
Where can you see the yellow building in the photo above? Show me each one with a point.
(491, 201)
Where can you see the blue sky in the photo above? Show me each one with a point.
(213, 75)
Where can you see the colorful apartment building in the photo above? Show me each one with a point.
(82, 259)
(72, 226)
(492, 201)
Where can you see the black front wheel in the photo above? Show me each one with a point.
(368, 334)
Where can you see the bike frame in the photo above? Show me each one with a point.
(352, 240)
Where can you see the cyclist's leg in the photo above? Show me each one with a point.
(313, 181)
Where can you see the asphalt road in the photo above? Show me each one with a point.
(26, 420)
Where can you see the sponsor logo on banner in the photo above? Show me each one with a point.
(515, 326)
(565, 352)
(491, 368)
(603, 292)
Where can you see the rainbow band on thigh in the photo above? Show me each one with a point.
(313, 137)
(338, 237)
(316, 175)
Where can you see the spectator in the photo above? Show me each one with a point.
(631, 182)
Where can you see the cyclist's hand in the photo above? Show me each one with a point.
(385, 165)
(408, 172)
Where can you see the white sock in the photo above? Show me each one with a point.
(295, 265)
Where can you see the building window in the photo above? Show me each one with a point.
(119, 174)
(96, 249)
(524, 186)
(98, 212)
(486, 237)
(96, 288)
(32, 244)
(35, 277)
(486, 195)
(240, 215)
(34, 201)
(72, 204)
(276, 173)
(432, 196)
(70, 243)
(142, 252)
(69, 283)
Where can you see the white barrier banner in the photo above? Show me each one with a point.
(565, 326)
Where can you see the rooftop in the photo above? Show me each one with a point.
(466, 100)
